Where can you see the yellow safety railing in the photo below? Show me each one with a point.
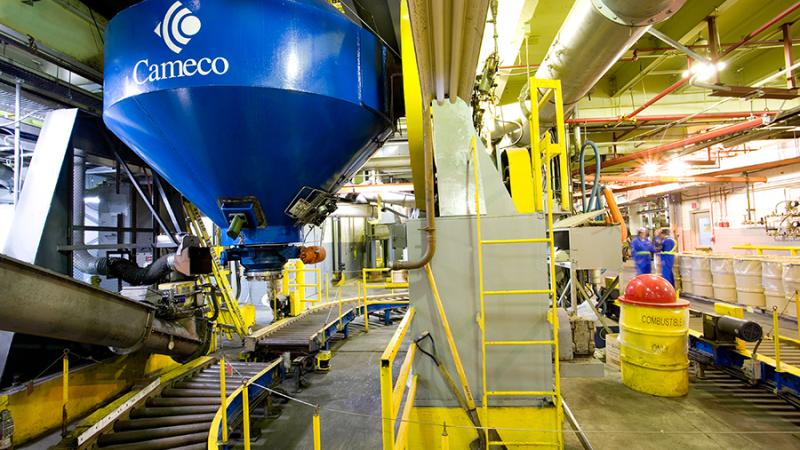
(392, 390)
(759, 249)
(294, 283)
(220, 421)
(366, 285)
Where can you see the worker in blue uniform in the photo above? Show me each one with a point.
(668, 248)
(642, 250)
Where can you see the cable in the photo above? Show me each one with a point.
(594, 197)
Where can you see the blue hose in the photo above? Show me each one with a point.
(593, 203)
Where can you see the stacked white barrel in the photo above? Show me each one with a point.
(749, 286)
(686, 274)
(772, 281)
(791, 287)
(723, 280)
(702, 284)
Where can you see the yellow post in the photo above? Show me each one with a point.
(300, 281)
(445, 437)
(317, 443)
(366, 311)
(327, 283)
(387, 406)
(64, 391)
(776, 338)
(245, 416)
(339, 301)
(797, 310)
(223, 397)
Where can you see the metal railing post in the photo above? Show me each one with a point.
(776, 338)
(223, 399)
(64, 391)
(315, 424)
(445, 437)
(245, 415)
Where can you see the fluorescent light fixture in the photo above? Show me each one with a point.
(91, 200)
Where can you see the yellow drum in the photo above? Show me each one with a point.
(654, 338)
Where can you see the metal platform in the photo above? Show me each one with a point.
(312, 330)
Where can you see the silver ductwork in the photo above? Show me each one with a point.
(595, 34)
(39, 302)
(82, 260)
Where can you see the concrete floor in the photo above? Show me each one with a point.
(717, 413)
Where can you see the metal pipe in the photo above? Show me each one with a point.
(438, 49)
(17, 147)
(430, 204)
(595, 34)
(791, 81)
(762, 28)
(656, 98)
(455, 47)
(670, 117)
(719, 132)
(39, 302)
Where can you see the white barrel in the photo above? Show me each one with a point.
(686, 273)
(772, 281)
(749, 290)
(701, 276)
(791, 287)
(628, 273)
(723, 279)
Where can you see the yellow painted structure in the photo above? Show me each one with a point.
(412, 94)
(541, 425)
(521, 179)
(36, 409)
(654, 345)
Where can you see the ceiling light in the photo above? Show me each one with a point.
(650, 169)
(91, 200)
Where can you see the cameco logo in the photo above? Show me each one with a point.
(178, 27)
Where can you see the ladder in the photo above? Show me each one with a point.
(229, 311)
(555, 394)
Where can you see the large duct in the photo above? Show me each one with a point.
(39, 302)
(592, 38)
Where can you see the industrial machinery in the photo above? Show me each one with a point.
(784, 222)
(242, 125)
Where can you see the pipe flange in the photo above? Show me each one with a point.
(660, 16)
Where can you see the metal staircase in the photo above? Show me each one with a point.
(230, 314)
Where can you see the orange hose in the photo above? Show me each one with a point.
(616, 215)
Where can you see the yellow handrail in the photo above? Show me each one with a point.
(760, 248)
(392, 391)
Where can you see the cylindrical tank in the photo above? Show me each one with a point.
(701, 276)
(723, 280)
(687, 286)
(654, 330)
(772, 281)
(791, 287)
(749, 289)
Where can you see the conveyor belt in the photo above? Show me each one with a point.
(309, 331)
(178, 418)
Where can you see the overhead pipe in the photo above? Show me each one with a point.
(595, 34)
(670, 117)
(713, 134)
(457, 12)
(727, 51)
(39, 302)
(762, 28)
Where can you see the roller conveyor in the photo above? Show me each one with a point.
(311, 330)
(180, 416)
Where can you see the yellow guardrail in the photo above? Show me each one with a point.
(392, 390)
(220, 421)
(759, 249)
